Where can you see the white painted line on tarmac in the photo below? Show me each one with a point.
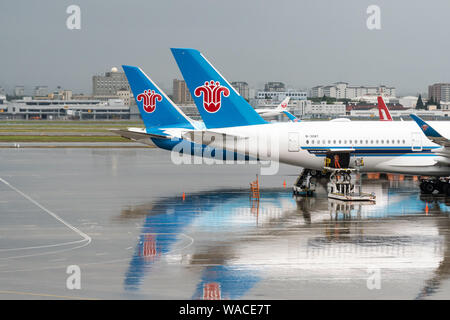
(85, 237)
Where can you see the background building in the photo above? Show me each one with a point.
(109, 84)
(439, 92)
(322, 109)
(47, 109)
(40, 91)
(126, 96)
(242, 88)
(342, 90)
(181, 94)
(19, 91)
(279, 96)
(275, 87)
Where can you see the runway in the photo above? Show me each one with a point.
(120, 216)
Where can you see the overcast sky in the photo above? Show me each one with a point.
(302, 43)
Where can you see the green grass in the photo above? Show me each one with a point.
(74, 138)
(47, 129)
(70, 122)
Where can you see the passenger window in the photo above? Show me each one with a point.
(307, 141)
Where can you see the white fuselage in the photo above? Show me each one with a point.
(384, 146)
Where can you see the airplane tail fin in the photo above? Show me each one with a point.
(156, 109)
(385, 115)
(219, 104)
(283, 105)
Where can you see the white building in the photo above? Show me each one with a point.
(19, 91)
(40, 91)
(280, 95)
(342, 90)
(408, 101)
(126, 96)
(323, 109)
(28, 108)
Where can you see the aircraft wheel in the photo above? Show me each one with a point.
(422, 186)
(428, 187)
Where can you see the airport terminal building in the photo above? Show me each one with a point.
(32, 109)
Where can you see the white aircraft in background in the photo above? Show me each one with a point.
(271, 112)
(407, 147)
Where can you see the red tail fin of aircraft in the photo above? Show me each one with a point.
(383, 110)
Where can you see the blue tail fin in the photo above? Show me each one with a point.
(157, 110)
(219, 104)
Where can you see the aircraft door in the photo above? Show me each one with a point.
(416, 141)
(293, 142)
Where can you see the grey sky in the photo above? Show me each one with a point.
(303, 43)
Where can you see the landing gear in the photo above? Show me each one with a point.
(441, 185)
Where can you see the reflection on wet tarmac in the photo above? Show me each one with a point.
(239, 243)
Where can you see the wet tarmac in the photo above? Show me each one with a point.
(119, 215)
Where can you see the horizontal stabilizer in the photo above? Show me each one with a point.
(135, 135)
(207, 136)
